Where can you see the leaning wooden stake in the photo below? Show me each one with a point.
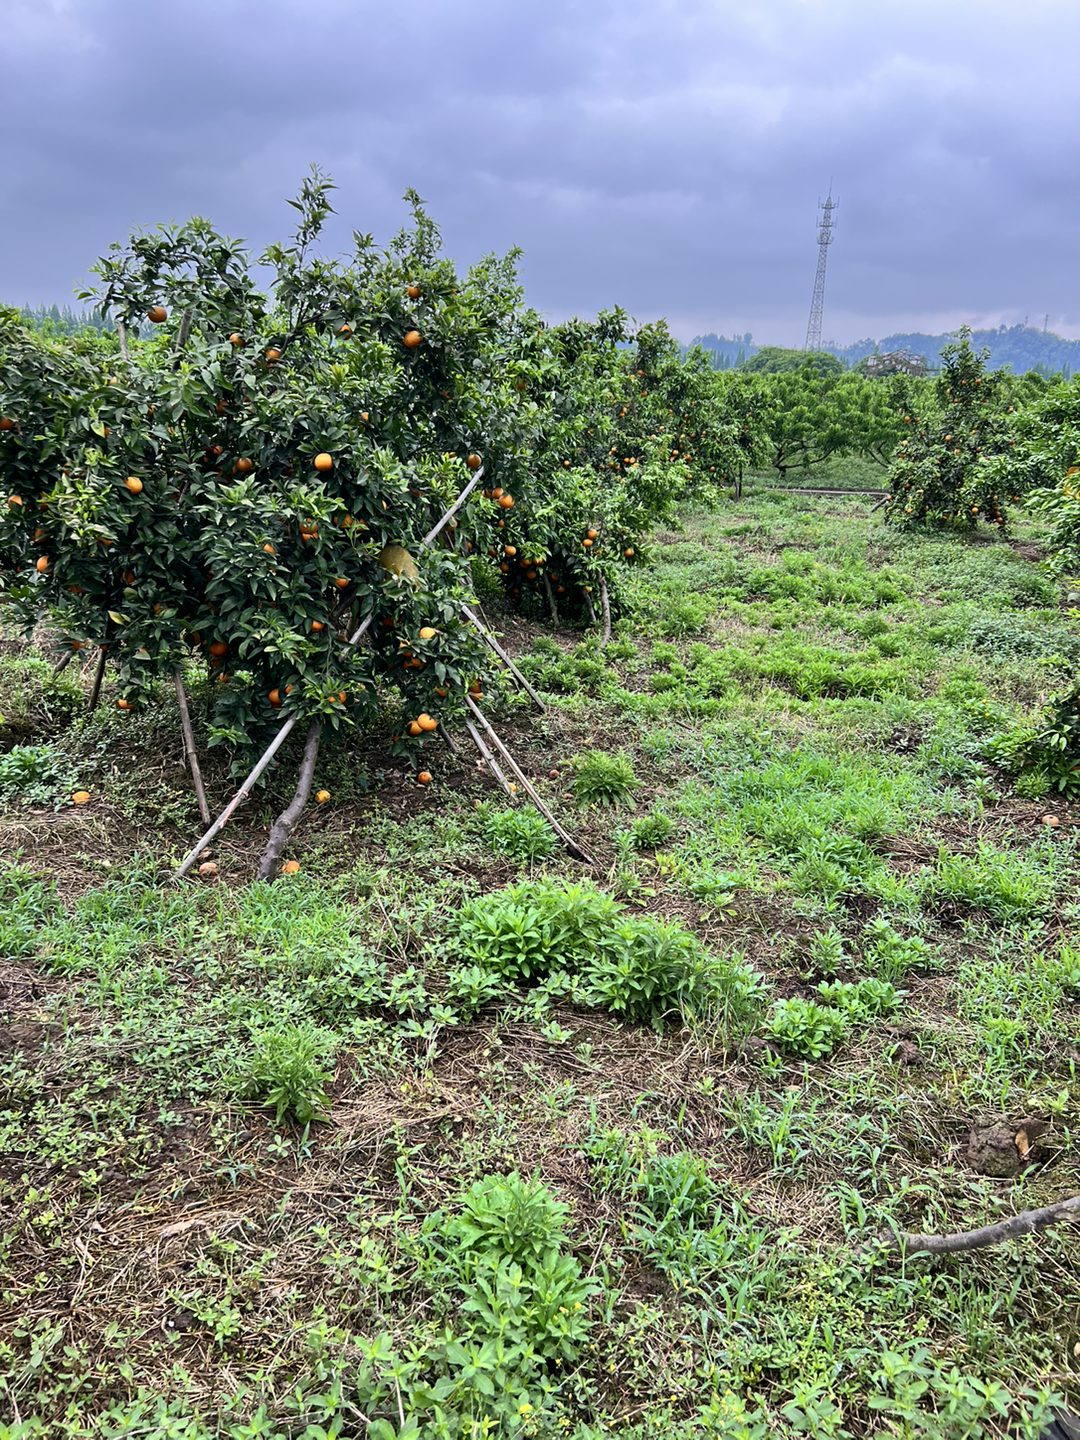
(488, 758)
(122, 336)
(286, 728)
(1026, 1223)
(498, 650)
(189, 747)
(99, 675)
(527, 785)
(286, 821)
(605, 610)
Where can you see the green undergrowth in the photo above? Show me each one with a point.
(440, 1138)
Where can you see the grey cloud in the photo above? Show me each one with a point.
(666, 155)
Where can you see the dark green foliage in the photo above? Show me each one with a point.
(938, 472)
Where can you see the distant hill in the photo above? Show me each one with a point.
(1018, 347)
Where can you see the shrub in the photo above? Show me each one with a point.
(604, 779)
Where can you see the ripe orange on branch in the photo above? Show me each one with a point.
(324, 461)
(157, 314)
(413, 338)
(134, 484)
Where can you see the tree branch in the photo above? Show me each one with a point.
(1026, 1223)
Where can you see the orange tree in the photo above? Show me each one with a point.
(256, 477)
(1043, 462)
(939, 472)
(624, 427)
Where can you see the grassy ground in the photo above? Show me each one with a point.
(450, 1136)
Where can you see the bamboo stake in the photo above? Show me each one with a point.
(571, 844)
(99, 674)
(489, 758)
(122, 336)
(286, 821)
(434, 533)
(237, 800)
(494, 645)
(189, 747)
(605, 607)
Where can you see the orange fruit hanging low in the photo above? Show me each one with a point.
(134, 484)
(6, 422)
(157, 314)
(244, 466)
(473, 462)
(428, 633)
(236, 339)
(324, 461)
(42, 565)
(413, 338)
(506, 502)
(413, 292)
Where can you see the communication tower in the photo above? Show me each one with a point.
(817, 305)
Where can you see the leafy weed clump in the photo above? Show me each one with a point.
(603, 779)
(636, 967)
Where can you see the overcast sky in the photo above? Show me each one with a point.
(665, 155)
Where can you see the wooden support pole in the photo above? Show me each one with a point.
(122, 336)
(237, 800)
(497, 649)
(571, 844)
(605, 610)
(286, 821)
(488, 758)
(189, 747)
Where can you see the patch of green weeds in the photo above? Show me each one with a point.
(639, 968)
(603, 779)
(524, 835)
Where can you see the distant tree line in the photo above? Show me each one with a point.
(1019, 348)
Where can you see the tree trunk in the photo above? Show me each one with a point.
(551, 600)
(99, 675)
(286, 821)
(605, 608)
